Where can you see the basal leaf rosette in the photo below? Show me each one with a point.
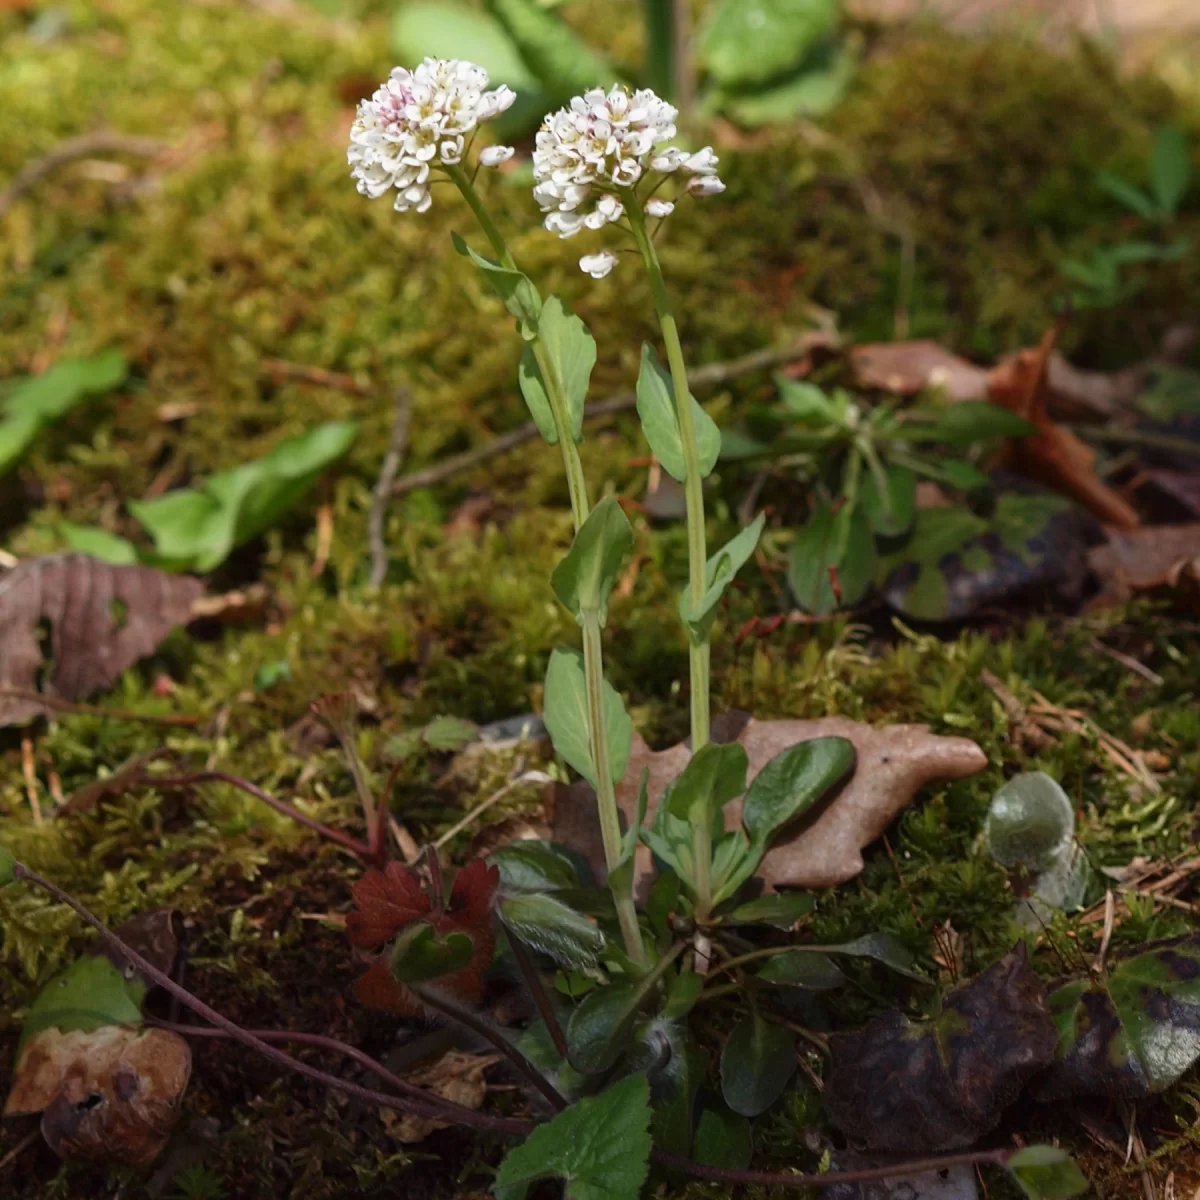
(421, 121)
(413, 932)
(606, 151)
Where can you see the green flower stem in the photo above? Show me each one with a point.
(593, 651)
(698, 652)
(700, 820)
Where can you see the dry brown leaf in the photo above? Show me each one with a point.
(906, 368)
(1053, 456)
(244, 606)
(108, 1094)
(894, 762)
(1152, 557)
(455, 1076)
(101, 619)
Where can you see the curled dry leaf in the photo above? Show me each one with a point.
(102, 619)
(922, 1087)
(110, 1094)
(894, 762)
(1053, 456)
(907, 368)
(387, 902)
(456, 1076)
(1157, 556)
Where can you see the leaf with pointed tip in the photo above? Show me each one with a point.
(832, 541)
(571, 352)
(554, 929)
(890, 507)
(1046, 1173)
(792, 782)
(719, 573)
(515, 289)
(715, 774)
(585, 578)
(1171, 167)
(802, 969)
(566, 717)
(537, 866)
(660, 421)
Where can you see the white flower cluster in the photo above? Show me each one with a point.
(418, 120)
(597, 150)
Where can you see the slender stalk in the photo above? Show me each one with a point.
(593, 652)
(698, 652)
(701, 823)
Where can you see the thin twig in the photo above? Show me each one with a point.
(1129, 662)
(94, 710)
(1138, 437)
(383, 488)
(102, 142)
(1110, 918)
(711, 375)
(541, 997)
(29, 771)
(19, 1149)
(237, 1033)
(483, 806)
(280, 368)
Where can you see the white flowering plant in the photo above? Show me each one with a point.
(622, 1067)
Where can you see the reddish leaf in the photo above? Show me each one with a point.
(1053, 456)
(909, 367)
(1156, 556)
(381, 990)
(386, 903)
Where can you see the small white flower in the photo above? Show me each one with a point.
(417, 119)
(598, 265)
(703, 162)
(659, 208)
(705, 185)
(493, 156)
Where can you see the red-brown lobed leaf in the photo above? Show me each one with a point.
(386, 902)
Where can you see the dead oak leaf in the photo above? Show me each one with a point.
(906, 368)
(456, 1076)
(1155, 556)
(110, 1094)
(1053, 456)
(894, 763)
(102, 619)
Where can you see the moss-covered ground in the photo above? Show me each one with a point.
(251, 244)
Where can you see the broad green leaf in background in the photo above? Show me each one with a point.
(420, 954)
(553, 928)
(533, 388)
(41, 399)
(599, 1028)
(1046, 1173)
(515, 289)
(748, 42)
(891, 506)
(789, 967)
(792, 782)
(806, 402)
(964, 423)
(561, 60)
(599, 1147)
(813, 91)
(802, 969)
(99, 543)
(719, 572)
(535, 866)
(714, 775)
(90, 993)
(1125, 193)
(1134, 1031)
(197, 528)
(757, 1061)
(571, 350)
(780, 909)
(584, 579)
(660, 421)
(449, 734)
(723, 1139)
(840, 540)
(1170, 167)
(566, 717)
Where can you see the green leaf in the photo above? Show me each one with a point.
(840, 540)
(719, 573)
(535, 867)
(515, 289)
(813, 91)
(675, 1103)
(561, 59)
(585, 578)
(806, 402)
(99, 543)
(566, 717)
(449, 734)
(571, 350)
(444, 30)
(41, 399)
(723, 1139)
(781, 910)
(599, 1146)
(91, 993)
(792, 782)
(8, 862)
(554, 929)
(1125, 193)
(1171, 167)
(965, 423)
(660, 420)
(629, 839)
(803, 969)
(965, 476)
(1046, 1173)
(736, 445)
(418, 954)
(747, 42)
(683, 993)
(599, 1028)
(715, 774)
(883, 948)
(197, 528)
(757, 1062)
(890, 509)
(1132, 1033)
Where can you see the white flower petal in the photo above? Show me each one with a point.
(493, 156)
(705, 185)
(659, 208)
(598, 265)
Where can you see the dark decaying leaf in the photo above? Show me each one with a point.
(956, 562)
(1155, 556)
(157, 936)
(109, 1094)
(1133, 1032)
(900, 1085)
(101, 620)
